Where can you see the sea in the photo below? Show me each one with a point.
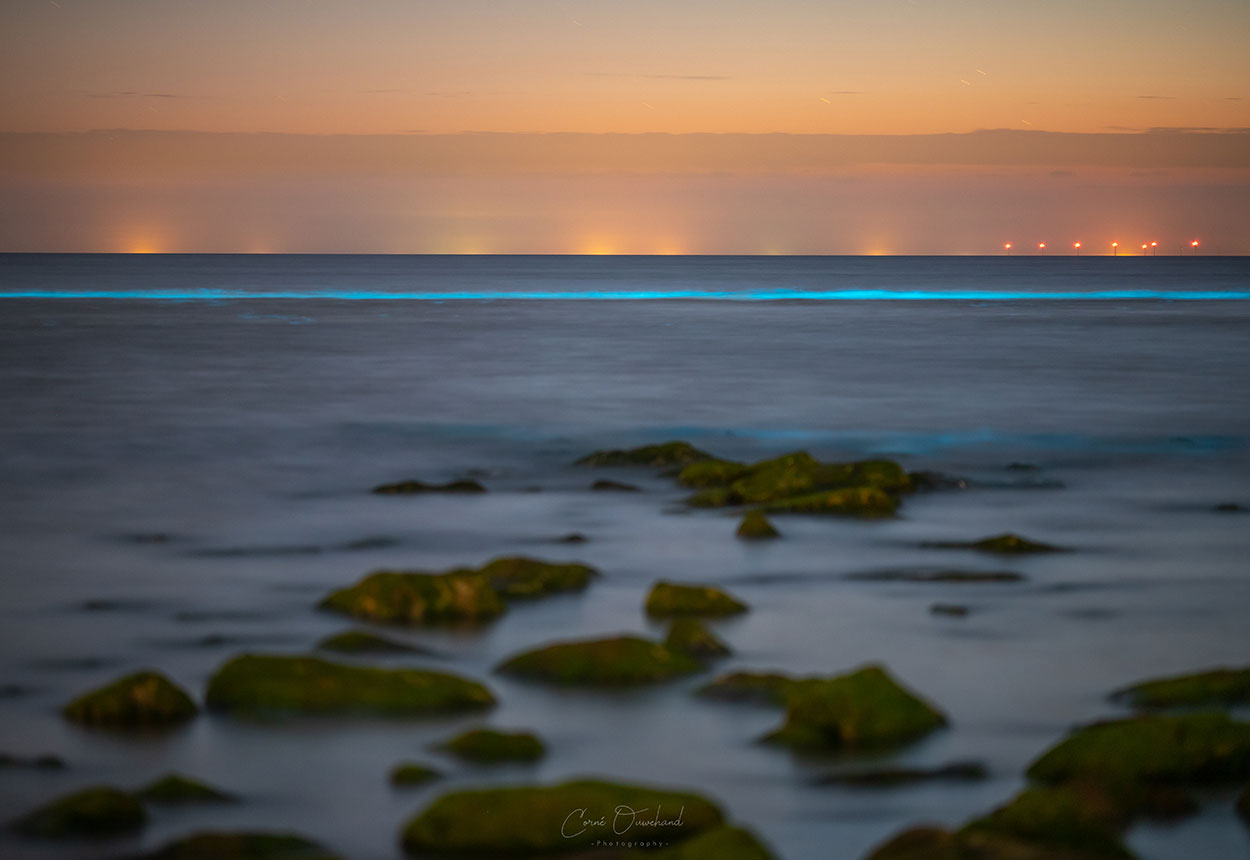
(188, 443)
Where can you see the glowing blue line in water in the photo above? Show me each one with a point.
(639, 295)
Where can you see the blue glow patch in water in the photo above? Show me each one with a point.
(773, 295)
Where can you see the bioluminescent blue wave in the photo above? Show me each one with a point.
(772, 295)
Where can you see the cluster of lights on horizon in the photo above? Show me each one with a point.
(1152, 247)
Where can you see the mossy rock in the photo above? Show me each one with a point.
(712, 497)
(1194, 748)
(1079, 819)
(718, 843)
(408, 774)
(864, 709)
(144, 700)
(1004, 544)
(487, 746)
(618, 661)
(519, 577)
(663, 455)
(867, 502)
(412, 487)
(91, 812)
(764, 688)
(755, 526)
(1213, 688)
(176, 788)
(921, 843)
(260, 685)
(364, 642)
(240, 846)
(419, 598)
(541, 821)
(603, 485)
(675, 598)
(711, 473)
(691, 637)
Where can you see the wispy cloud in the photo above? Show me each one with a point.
(656, 77)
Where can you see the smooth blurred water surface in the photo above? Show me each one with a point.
(249, 431)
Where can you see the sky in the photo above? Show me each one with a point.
(683, 126)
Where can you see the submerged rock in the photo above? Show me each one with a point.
(618, 661)
(487, 746)
(718, 843)
(764, 688)
(674, 598)
(176, 788)
(863, 709)
(755, 526)
(240, 846)
(38, 762)
(542, 821)
(1194, 748)
(408, 774)
(1077, 821)
(666, 454)
(954, 577)
(888, 777)
(604, 485)
(1004, 544)
(419, 598)
(98, 811)
(1211, 688)
(950, 610)
(364, 642)
(689, 636)
(412, 486)
(1230, 508)
(572, 537)
(517, 577)
(259, 685)
(143, 700)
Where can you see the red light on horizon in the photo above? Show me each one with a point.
(1194, 243)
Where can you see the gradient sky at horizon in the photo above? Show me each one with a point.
(805, 67)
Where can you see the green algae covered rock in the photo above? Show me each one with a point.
(176, 788)
(764, 688)
(1194, 748)
(922, 843)
(542, 821)
(1004, 544)
(868, 502)
(519, 577)
(98, 811)
(674, 598)
(666, 454)
(419, 598)
(412, 487)
(144, 700)
(364, 642)
(718, 843)
(487, 746)
(755, 526)
(260, 685)
(711, 473)
(864, 709)
(690, 637)
(407, 774)
(1079, 820)
(1204, 689)
(615, 662)
(240, 846)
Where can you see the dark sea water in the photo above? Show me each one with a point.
(243, 406)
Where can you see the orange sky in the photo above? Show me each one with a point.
(1100, 71)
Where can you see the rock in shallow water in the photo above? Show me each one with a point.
(1004, 544)
(258, 685)
(690, 637)
(519, 577)
(143, 700)
(176, 788)
(240, 846)
(615, 662)
(540, 821)
(488, 746)
(755, 526)
(407, 774)
(667, 599)
(412, 487)
(1214, 688)
(419, 598)
(666, 454)
(91, 812)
